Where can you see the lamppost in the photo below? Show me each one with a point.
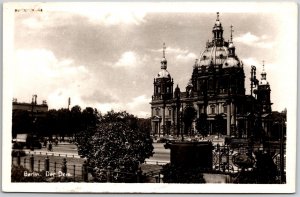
(282, 174)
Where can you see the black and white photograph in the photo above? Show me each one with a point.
(147, 97)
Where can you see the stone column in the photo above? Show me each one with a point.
(159, 128)
(233, 119)
(164, 120)
(228, 118)
(234, 115)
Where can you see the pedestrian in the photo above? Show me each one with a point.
(50, 146)
(45, 143)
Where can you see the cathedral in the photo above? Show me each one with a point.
(214, 100)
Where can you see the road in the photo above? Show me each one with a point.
(161, 155)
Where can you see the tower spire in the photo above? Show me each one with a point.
(218, 15)
(164, 50)
(231, 31)
(164, 60)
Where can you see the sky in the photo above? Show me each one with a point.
(105, 56)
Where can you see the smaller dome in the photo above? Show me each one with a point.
(163, 60)
(264, 82)
(163, 74)
(218, 23)
(231, 62)
(231, 45)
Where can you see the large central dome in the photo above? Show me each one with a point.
(215, 55)
(218, 52)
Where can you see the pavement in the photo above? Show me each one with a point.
(45, 152)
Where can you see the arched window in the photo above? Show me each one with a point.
(212, 109)
(225, 108)
(157, 111)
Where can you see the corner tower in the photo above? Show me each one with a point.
(263, 93)
(161, 105)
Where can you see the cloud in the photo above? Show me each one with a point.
(250, 61)
(139, 105)
(53, 16)
(180, 54)
(32, 22)
(171, 50)
(186, 56)
(139, 100)
(100, 96)
(127, 59)
(39, 71)
(130, 60)
(255, 41)
(104, 14)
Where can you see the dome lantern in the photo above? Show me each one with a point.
(231, 47)
(264, 76)
(217, 29)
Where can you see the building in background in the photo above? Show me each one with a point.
(33, 107)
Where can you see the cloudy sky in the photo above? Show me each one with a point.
(107, 56)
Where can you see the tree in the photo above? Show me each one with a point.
(21, 122)
(63, 120)
(179, 174)
(89, 118)
(75, 119)
(201, 124)
(117, 143)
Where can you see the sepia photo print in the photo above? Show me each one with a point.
(149, 97)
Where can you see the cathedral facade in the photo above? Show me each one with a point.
(214, 100)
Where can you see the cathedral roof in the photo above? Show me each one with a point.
(231, 62)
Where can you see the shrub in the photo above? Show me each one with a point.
(16, 153)
(18, 145)
(18, 174)
(178, 174)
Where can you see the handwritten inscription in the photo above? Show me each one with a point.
(29, 10)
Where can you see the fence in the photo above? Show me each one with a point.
(233, 159)
(51, 168)
(76, 173)
(226, 160)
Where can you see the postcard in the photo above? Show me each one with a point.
(161, 97)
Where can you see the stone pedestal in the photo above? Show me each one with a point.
(192, 154)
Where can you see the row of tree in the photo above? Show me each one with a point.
(62, 122)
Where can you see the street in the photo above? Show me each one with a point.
(161, 155)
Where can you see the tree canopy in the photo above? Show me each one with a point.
(62, 122)
(118, 142)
